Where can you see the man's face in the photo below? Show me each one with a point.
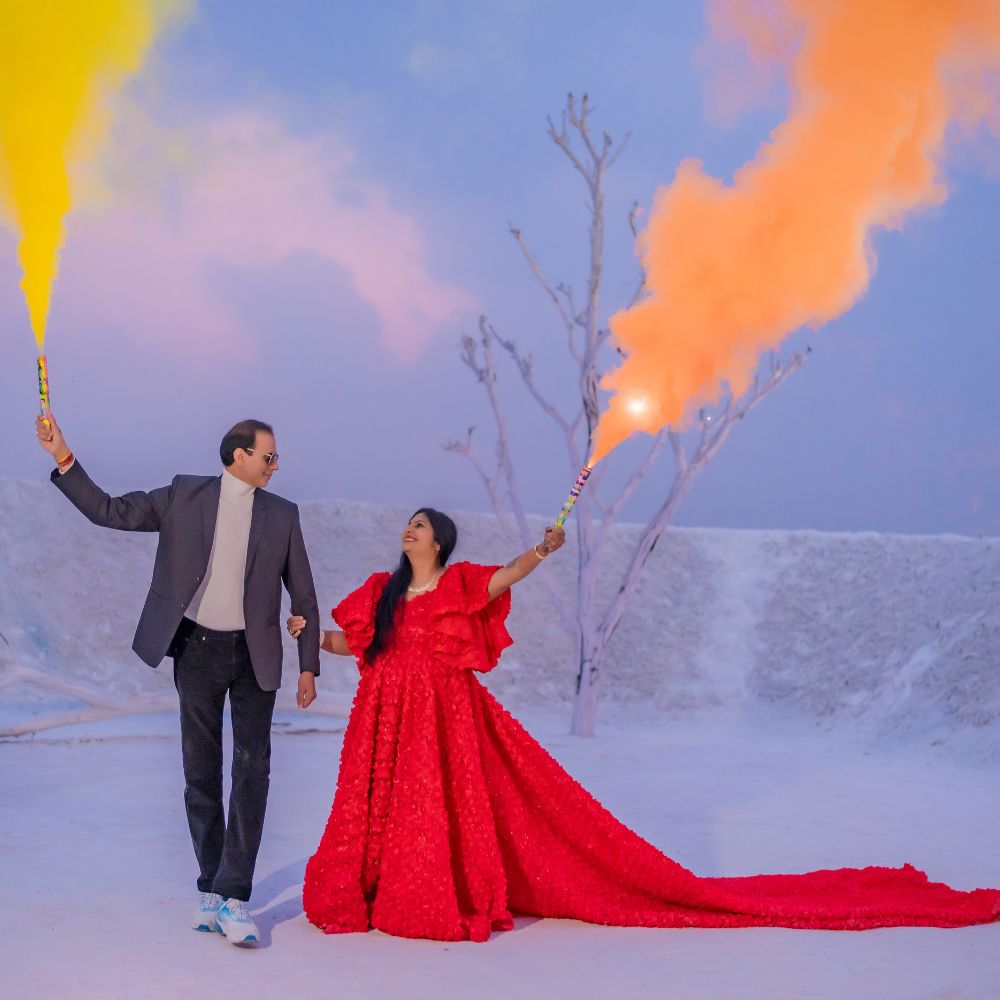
(254, 466)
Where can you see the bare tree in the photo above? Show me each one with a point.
(587, 343)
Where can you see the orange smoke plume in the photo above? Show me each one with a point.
(732, 270)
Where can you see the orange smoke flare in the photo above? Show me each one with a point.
(732, 270)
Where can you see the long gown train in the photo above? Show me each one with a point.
(449, 816)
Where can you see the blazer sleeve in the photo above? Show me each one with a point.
(132, 512)
(298, 579)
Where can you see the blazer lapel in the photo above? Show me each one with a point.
(210, 514)
(258, 516)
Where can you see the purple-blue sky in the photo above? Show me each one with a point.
(304, 206)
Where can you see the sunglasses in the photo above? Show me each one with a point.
(270, 457)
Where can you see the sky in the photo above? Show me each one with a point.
(302, 208)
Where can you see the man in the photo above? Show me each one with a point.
(225, 548)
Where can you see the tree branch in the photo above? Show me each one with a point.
(526, 369)
(568, 319)
(621, 148)
(99, 705)
(709, 444)
(486, 375)
(638, 474)
(490, 484)
(561, 139)
(579, 121)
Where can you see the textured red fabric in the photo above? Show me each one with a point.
(448, 816)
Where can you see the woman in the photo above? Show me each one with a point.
(448, 815)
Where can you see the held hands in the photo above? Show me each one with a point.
(332, 641)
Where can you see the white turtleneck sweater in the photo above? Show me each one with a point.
(218, 602)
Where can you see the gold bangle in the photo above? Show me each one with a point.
(535, 550)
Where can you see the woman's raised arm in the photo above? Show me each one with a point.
(520, 566)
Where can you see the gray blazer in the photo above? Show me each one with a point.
(184, 514)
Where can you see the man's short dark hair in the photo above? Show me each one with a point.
(241, 435)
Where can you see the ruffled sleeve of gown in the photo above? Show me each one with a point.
(469, 627)
(356, 614)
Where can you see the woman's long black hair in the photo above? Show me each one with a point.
(446, 535)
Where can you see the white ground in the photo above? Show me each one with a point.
(97, 870)
(779, 701)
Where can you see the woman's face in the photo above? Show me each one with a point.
(418, 538)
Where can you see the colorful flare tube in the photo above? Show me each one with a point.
(43, 383)
(567, 506)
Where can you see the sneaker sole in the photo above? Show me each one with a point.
(235, 939)
(207, 928)
(249, 939)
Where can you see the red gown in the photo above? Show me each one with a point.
(448, 816)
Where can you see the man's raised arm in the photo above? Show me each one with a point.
(137, 511)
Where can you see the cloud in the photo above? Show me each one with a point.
(241, 191)
(457, 44)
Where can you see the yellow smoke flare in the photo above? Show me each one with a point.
(58, 59)
(733, 269)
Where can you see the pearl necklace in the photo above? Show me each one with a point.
(426, 586)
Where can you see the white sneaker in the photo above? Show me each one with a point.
(206, 917)
(236, 923)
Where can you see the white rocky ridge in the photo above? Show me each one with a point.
(894, 634)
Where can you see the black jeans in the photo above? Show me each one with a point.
(207, 666)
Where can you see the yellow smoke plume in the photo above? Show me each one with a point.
(731, 270)
(58, 60)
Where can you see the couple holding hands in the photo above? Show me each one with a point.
(448, 817)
